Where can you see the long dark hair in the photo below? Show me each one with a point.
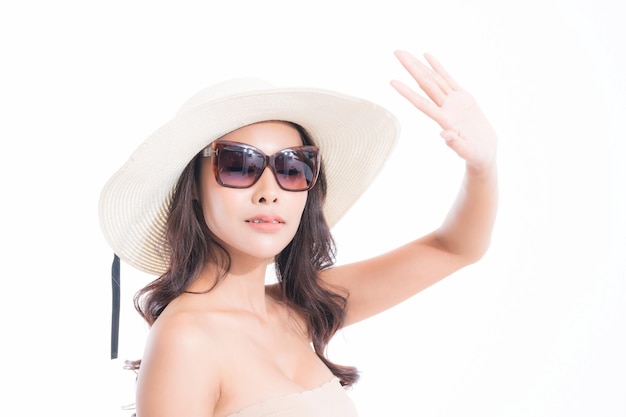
(191, 245)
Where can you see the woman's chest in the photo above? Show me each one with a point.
(268, 363)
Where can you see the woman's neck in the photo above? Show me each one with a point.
(243, 288)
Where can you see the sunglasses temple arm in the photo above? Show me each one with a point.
(115, 308)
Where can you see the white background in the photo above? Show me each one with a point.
(537, 328)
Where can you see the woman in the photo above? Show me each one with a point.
(248, 174)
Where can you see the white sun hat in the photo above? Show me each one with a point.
(355, 138)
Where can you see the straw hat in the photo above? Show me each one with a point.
(355, 137)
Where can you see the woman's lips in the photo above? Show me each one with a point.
(265, 219)
(266, 223)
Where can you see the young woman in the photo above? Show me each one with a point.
(248, 174)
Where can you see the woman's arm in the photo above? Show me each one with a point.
(377, 284)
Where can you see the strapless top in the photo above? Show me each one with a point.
(329, 400)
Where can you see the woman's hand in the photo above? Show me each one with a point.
(465, 128)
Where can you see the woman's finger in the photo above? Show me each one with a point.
(429, 81)
(441, 71)
(425, 106)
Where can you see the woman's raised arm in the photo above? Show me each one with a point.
(377, 284)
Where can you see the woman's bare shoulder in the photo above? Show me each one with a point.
(188, 328)
(181, 365)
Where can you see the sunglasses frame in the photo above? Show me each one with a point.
(268, 161)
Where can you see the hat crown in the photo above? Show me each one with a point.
(228, 88)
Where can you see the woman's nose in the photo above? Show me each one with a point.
(266, 188)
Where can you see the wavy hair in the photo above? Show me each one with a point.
(191, 245)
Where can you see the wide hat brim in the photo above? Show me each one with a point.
(355, 137)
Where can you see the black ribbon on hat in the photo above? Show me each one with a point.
(115, 308)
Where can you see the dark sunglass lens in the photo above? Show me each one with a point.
(239, 167)
(295, 169)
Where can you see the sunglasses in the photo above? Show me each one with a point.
(238, 165)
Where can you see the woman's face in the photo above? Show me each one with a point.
(261, 220)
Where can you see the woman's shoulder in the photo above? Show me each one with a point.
(181, 357)
(183, 334)
(183, 323)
